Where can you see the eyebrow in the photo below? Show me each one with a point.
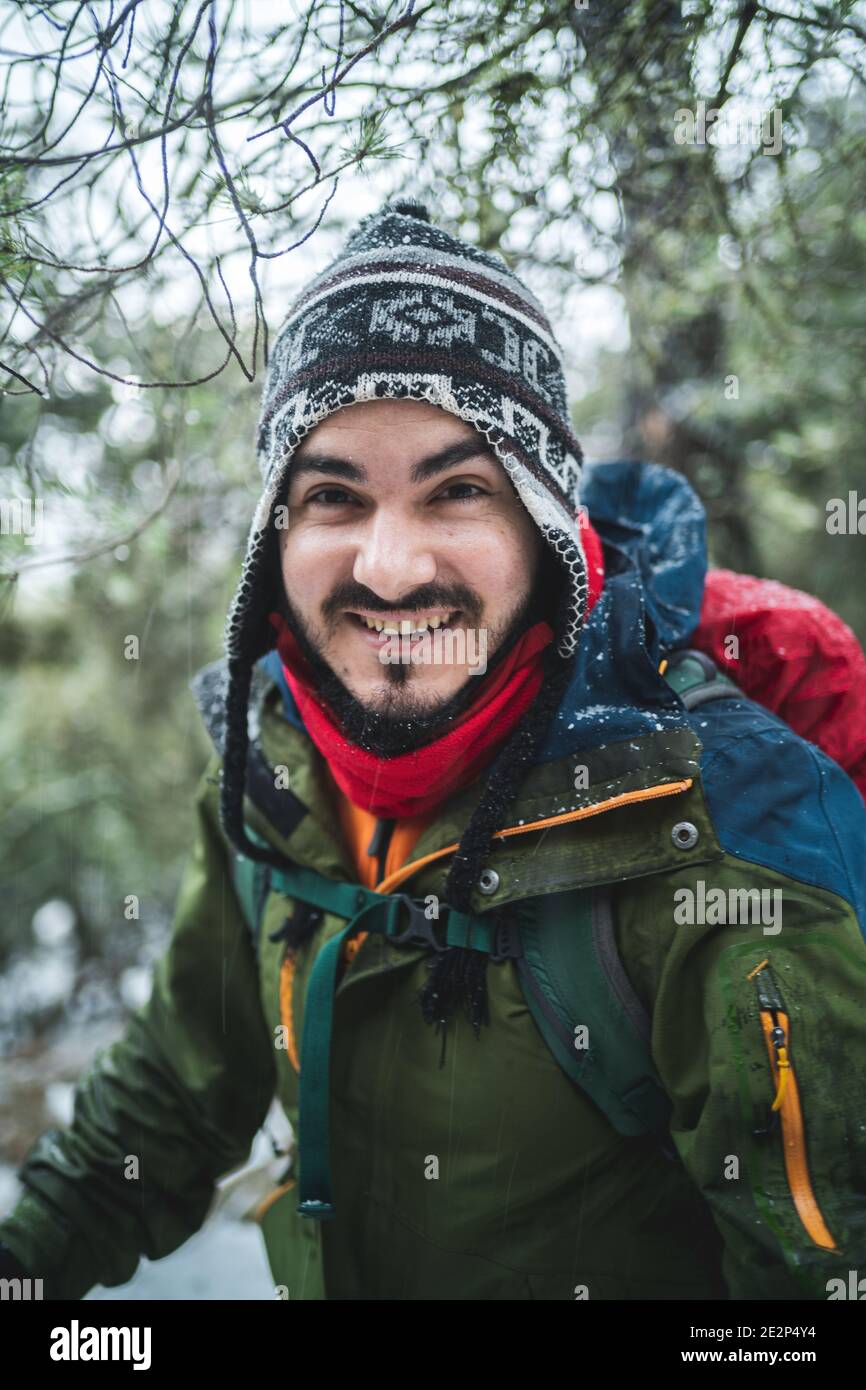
(422, 471)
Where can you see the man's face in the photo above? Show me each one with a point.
(406, 539)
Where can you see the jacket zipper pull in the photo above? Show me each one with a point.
(379, 844)
(769, 1001)
(777, 1038)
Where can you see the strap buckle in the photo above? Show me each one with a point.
(506, 941)
(420, 929)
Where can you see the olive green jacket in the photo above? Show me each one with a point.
(492, 1177)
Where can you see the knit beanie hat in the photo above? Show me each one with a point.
(409, 311)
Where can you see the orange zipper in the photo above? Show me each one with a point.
(287, 980)
(272, 1197)
(387, 885)
(777, 1035)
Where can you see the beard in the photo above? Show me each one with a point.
(404, 720)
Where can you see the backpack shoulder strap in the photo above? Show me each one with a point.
(696, 678)
(587, 1011)
(251, 883)
(574, 980)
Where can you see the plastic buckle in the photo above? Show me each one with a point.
(506, 941)
(420, 929)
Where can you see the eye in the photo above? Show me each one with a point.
(461, 492)
(330, 497)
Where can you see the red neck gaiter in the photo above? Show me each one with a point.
(414, 783)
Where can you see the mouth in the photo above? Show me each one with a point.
(378, 628)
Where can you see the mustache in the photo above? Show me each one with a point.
(352, 595)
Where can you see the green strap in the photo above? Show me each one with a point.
(567, 983)
(347, 900)
(315, 1095)
(341, 899)
(248, 877)
(368, 911)
(474, 933)
(314, 1143)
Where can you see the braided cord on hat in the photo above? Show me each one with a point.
(460, 973)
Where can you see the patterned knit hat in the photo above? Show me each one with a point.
(407, 310)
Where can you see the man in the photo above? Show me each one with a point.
(550, 949)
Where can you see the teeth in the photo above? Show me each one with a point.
(405, 628)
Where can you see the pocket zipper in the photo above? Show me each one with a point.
(287, 1020)
(272, 1197)
(786, 1103)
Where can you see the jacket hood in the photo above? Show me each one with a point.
(653, 516)
(653, 529)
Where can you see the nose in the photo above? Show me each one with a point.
(394, 555)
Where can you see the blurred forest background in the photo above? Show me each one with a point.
(172, 170)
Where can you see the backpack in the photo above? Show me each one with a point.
(564, 949)
(793, 655)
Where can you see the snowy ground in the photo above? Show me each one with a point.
(225, 1260)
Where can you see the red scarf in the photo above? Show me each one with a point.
(414, 783)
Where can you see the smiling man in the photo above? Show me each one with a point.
(398, 498)
(435, 904)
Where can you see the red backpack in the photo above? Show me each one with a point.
(792, 655)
